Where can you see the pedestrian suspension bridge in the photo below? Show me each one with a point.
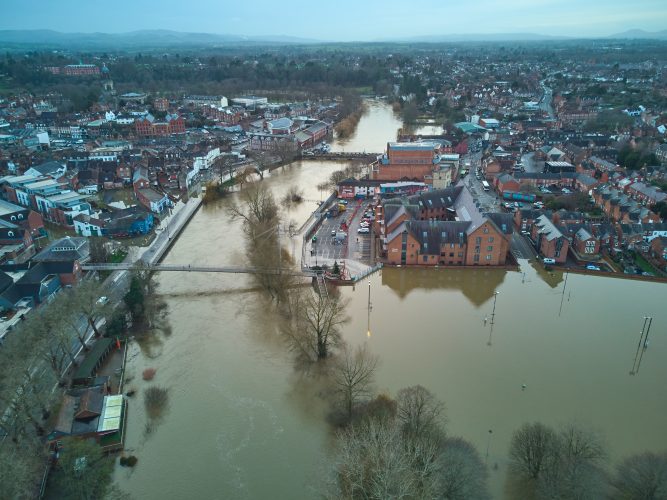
(199, 269)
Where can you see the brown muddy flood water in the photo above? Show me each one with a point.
(241, 424)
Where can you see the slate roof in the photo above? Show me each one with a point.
(548, 228)
(67, 249)
(431, 235)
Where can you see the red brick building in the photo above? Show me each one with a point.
(407, 161)
(149, 127)
(442, 227)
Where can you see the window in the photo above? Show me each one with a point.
(476, 258)
(478, 240)
(490, 239)
(425, 258)
(488, 257)
(451, 254)
(460, 255)
(451, 245)
(489, 249)
(485, 230)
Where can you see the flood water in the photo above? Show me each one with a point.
(242, 424)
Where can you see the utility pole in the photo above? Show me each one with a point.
(644, 344)
(563, 294)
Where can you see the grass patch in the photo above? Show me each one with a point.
(118, 256)
(644, 265)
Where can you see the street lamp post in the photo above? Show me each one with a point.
(488, 445)
(493, 313)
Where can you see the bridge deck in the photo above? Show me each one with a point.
(197, 269)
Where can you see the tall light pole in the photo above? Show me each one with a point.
(493, 314)
(368, 330)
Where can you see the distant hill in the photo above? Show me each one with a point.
(135, 39)
(479, 37)
(641, 34)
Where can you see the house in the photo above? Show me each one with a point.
(658, 250)
(128, 222)
(652, 231)
(52, 169)
(16, 244)
(585, 244)
(91, 413)
(39, 284)
(550, 241)
(645, 194)
(152, 200)
(140, 179)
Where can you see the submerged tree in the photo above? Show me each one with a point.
(559, 464)
(353, 376)
(642, 476)
(312, 328)
(378, 459)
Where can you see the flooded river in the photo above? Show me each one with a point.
(242, 424)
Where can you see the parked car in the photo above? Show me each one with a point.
(333, 232)
(547, 260)
(364, 230)
(591, 267)
(103, 300)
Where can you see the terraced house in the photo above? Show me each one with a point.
(442, 228)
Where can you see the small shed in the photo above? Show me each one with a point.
(86, 371)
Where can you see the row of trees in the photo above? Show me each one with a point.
(571, 462)
(399, 449)
(33, 360)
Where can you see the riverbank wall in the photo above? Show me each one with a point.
(170, 233)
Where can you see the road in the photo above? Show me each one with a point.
(545, 103)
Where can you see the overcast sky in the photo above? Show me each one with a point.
(339, 20)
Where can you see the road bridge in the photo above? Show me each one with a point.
(198, 269)
(341, 156)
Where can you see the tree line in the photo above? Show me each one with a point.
(35, 359)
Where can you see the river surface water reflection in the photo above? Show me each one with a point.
(242, 423)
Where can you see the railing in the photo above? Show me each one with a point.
(195, 269)
(367, 272)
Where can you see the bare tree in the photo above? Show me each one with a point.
(533, 449)
(257, 210)
(462, 473)
(578, 471)
(641, 477)
(20, 468)
(353, 376)
(312, 328)
(86, 300)
(372, 463)
(419, 412)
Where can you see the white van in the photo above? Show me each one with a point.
(547, 260)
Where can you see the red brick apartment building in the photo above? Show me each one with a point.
(149, 127)
(407, 161)
(444, 228)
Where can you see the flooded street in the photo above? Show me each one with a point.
(242, 424)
